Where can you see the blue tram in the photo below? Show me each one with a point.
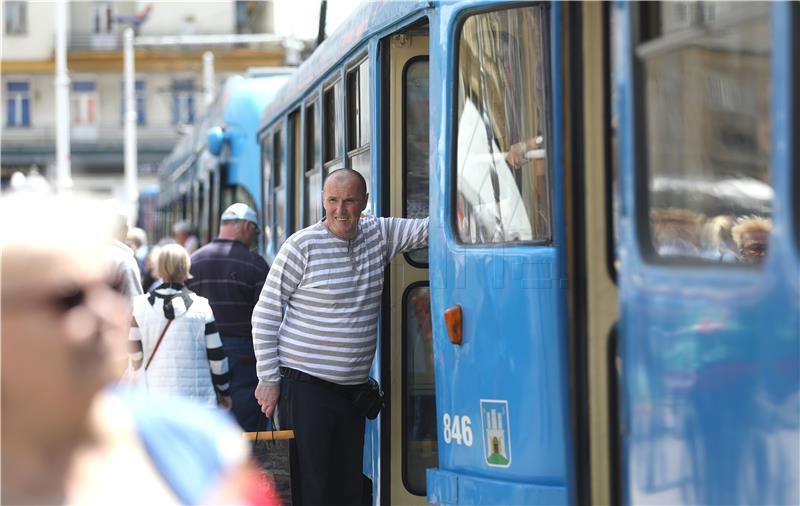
(609, 307)
(216, 164)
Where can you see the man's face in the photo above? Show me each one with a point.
(63, 331)
(344, 200)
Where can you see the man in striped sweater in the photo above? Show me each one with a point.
(315, 333)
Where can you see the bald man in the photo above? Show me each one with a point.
(315, 334)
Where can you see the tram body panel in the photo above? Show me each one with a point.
(710, 373)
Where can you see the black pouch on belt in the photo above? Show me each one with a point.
(368, 399)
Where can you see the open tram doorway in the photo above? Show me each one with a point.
(409, 444)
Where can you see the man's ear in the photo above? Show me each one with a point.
(366, 199)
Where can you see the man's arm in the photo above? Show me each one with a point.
(282, 281)
(404, 234)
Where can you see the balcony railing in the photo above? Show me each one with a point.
(106, 133)
(95, 42)
(113, 41)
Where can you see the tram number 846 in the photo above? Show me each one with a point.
(458, 430)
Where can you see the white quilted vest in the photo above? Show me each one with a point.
(180, 367)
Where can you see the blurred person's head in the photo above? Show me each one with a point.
(62, 328)
(151, 261)
(751, 235)
(181, 231)
(119, 220)
(677, 230)
(239, 223)
(173, 264)
(137, 237)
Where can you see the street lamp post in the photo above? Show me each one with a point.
(131, 161)
(63, 165)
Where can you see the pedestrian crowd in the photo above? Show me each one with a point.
(209, 329)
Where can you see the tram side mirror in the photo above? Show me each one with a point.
(216, 138)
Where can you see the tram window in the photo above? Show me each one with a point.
(358, 106)
(415, 147)
(502, 167)
(266, 174)
(705, 93)
(358, 119)
(312, 196)
(278, 193)
(295, 170)
(312, 141)
(332, 122)
(312, 190)
(358, 152)
(420, 449)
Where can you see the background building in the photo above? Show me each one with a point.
(169, 80)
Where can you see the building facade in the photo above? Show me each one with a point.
(169, 87)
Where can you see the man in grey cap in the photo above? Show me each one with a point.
(230, 276)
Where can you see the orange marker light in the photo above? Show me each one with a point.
(452, 318)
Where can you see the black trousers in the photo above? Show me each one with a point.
(326, 454)
(242, 364)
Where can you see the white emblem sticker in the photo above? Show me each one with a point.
(496, 432)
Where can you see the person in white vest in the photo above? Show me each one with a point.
(174, 337)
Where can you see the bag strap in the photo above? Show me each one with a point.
(158, 343)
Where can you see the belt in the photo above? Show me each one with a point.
(294, 374)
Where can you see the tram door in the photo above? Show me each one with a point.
(412, 423)
(497, 249)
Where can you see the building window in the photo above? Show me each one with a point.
(102, 17)
(183, 101)
(18, 104)
(83, 104)
(16, 18)
(250, 16)
(140, 97)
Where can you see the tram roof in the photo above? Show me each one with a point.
(369, 19)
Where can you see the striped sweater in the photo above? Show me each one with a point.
(318, 310)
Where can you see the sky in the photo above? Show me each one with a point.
(300, 18)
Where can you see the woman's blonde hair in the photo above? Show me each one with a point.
(174, 263)
(749, 224)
